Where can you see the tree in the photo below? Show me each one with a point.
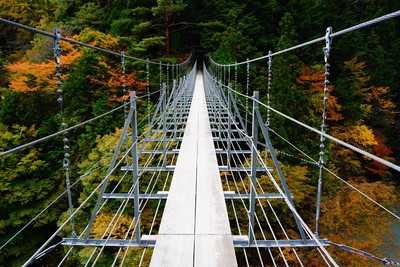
(285, 95)
(27, 76)
(165, 9)
(27, 185)
(89, 15)
(351, 219)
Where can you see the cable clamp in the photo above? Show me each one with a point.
(328, 42)
(56, 46)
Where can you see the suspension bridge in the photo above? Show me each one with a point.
(202, 145)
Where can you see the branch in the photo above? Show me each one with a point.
(155, 26)
(184, 23)
(180, 29)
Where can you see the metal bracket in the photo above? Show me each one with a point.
(56, 45)
(328, 42)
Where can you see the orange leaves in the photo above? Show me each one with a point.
(71, 57)
(222, 174)
(312, 78)
(379, 104)
(20, 84)
(184, 57)
(132, 84)
(27, 76)
(311, 81)
(352, 219)
(31, 76)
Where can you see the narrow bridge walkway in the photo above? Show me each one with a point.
(195, 229)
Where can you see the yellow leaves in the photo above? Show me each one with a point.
(348, 162)
(97, 38)
(379, 103)
(362, 135)
(222, 174)
(104, 219)
(352, 219)
(359, 76)
(290, 256)
(296, 178)
(105, 146)
(359, 135)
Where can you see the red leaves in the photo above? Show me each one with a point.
(382, 151)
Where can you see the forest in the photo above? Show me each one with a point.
(363, 106)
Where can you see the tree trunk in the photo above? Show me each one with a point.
(167, 48)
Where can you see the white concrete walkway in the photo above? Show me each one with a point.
(195, 229)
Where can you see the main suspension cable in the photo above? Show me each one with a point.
(71, 41)
(320, 39)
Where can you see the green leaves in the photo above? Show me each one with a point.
(151, 42)
(89, 15)
(165, 8)
(288, 35)
(25, 188)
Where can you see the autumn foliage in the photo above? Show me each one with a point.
(362, 110)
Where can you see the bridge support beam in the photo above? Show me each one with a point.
(229, 141)
(271, 150)
(253, 175)
(135, 166)
(164, 124)
(128, 122)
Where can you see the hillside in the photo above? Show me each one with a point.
(363, 105)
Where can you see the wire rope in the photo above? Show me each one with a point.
(320, 39)
(71, 41)
(243, 184)
(332, 138)
(338, 177)
(59, 133)
(265, 167)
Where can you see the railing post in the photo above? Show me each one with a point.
(253, 175)
(229, 143)
(217, 107)
(135, 166)
(175, 106)
(109, 171)
(247, 90)
(164, 122)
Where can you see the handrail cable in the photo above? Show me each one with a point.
(71, 41)
(291, 207)
(60, 132)
(332, 138)
(32, 258)
(347, 30)
(244, 186)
